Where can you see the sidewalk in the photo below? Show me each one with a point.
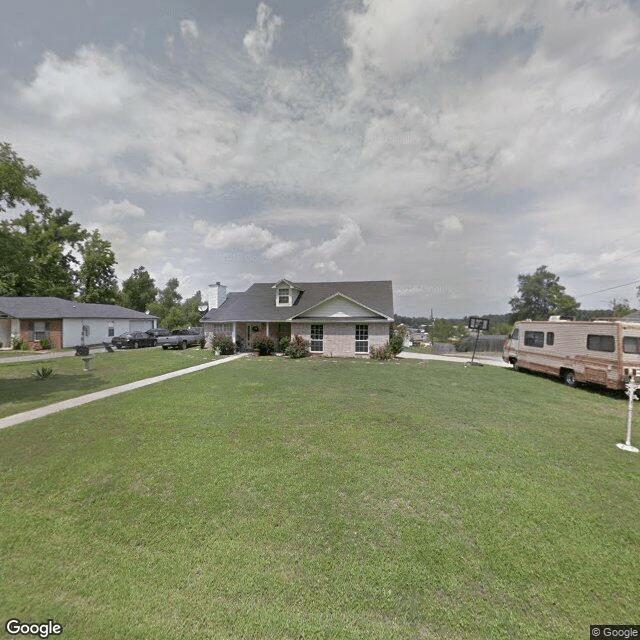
(494, 362)
(25, 416)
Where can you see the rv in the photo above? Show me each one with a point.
(603, 352)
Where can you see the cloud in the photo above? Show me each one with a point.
(243, 236)
(258, 42)
(348, 240)
(189, 29)
(89, 85)
(449, 225)
(122, 210)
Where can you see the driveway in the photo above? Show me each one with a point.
(494, 361)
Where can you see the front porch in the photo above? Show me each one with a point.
(243, 334)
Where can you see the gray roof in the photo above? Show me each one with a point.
(48, 307)
(258, 302)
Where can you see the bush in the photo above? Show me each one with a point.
(45, 343)
(298, 348)
(224, 344)
(263, 345)
(396, 342)
(284, 343)
(18, 344)
(43, 373)
(381, 352)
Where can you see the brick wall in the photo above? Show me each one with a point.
(340, 338)
(55, 333)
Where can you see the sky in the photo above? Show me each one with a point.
(446, 145)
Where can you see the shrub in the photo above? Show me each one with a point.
(381, 352)
(18, 344)
(396, 342)
(224, 344)
(284, 343)
(43, 373)
(263, 345)
(45, 343)
(298, 348)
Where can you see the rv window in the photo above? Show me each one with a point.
(550, 338)
(534, 338)
(515, 334)
(601, 343)
(631, 344)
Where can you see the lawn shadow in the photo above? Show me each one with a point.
(16, 392)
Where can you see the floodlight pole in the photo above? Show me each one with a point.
(632, 386)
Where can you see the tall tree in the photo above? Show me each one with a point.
(139, 290)
(190, 309)
(541, 295)
(97, 280)
(167, 306)
(16, 181)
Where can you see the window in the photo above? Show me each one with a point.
(110, 330)
(516, 334)
(550, 338)
(631, 344)
(223, 327)
(601, 343)
(362, 338)
(38, 330)
(283, 296)
(534, 338)
(317, 337)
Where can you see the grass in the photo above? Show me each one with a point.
(325, 499)
(21, 391)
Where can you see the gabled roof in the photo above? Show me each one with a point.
(368, 312)
(49, 307)
(257, 303)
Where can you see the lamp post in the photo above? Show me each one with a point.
(632, 386)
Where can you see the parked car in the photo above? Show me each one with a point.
(180, 339)
(158, 331)
(133, 340)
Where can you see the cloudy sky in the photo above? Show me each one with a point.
(447, 145)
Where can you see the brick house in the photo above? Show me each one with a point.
(63, 322)
(338, 318)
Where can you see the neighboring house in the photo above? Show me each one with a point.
(634, 316)
(64, 321)
(338, 318)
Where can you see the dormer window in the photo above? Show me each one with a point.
(284, 296)
(286, 293)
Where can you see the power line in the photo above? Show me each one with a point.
(619, 286)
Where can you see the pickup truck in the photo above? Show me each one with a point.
(180, 339)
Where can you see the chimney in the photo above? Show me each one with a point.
(217, 295)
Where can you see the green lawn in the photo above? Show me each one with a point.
(20, 390)
(269, 498)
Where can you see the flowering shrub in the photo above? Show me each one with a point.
(381, 352)
(263, 345)
(298, 348)
(224, 344)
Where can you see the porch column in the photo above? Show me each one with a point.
(233, 333)
(267, 329)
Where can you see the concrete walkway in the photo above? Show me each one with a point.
(494, 362)
(25, 416)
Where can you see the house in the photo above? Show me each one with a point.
(337, 318)
(63, 322)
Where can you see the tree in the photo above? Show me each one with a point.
(167, 306)
(192, 314)
(441, 330)
(16, 181)
(541, 295)
(97, 280)
(139, 290)
(620, 308)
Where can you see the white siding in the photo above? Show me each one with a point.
(337, 307)
(98, 329)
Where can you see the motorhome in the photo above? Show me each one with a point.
(603, 351)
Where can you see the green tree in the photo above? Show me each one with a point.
(97, 280)
(139, 290)
(541, 295)
(16, 181)
(192, 314)
(441, 330)
(620, 308)
(167, 306)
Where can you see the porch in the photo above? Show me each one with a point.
(243, 334)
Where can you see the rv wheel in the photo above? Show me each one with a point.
(569, 378)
